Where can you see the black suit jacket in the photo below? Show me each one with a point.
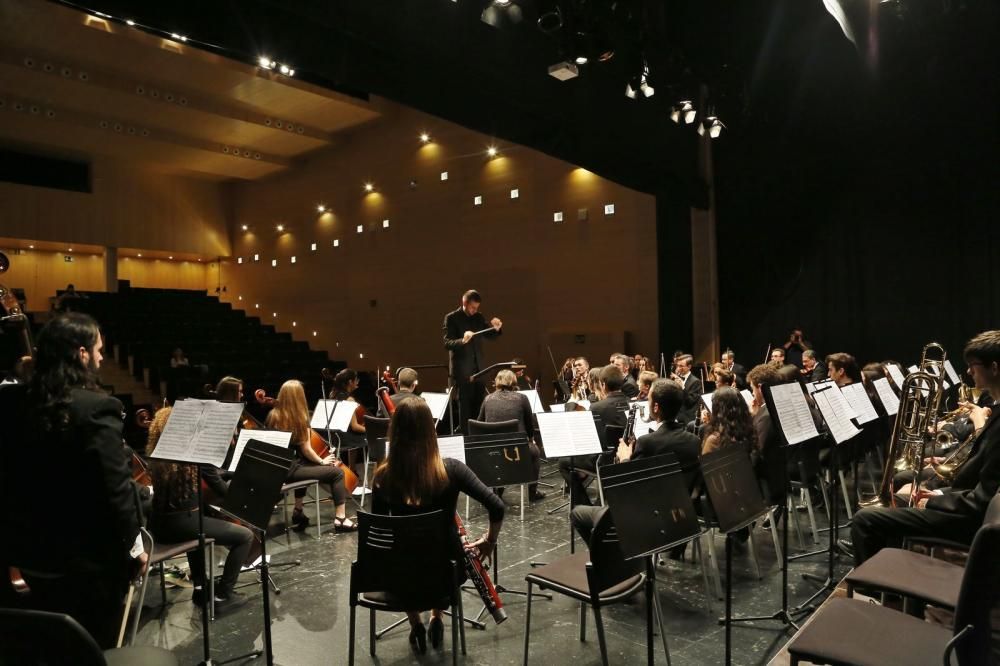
(670, 438)
(465, 360)
(972, 501)
(89, 517)
(630, 388)
(818, 373)
(693, 391)
(612, 410)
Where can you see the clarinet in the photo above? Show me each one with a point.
(629, 434)
(477, 574)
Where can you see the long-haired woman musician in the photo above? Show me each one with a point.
(291, 414)
(730, 423)
(414, 479)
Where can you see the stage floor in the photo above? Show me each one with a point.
(311, 615)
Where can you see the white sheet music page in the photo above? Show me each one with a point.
(557, 407)
(952, 375)
(839, 423)
(199, 431)
(535, 400)
(438, 402)
(452, 447)
(862, 405)
(748, 396)
(839, 401)
(793, 413)
(707, 399)
(887, 396)
(323, 413)
(568, 434)
(278, 438)
(896, 374)
(812, 387)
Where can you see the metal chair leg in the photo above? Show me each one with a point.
(713, 563)
(753, 554)
(461, 621)
(659, 621)
(350, 637)
(774, 537)
(696, 551)
(826, 497)
(794, 514)
(812, 515)
(371, 631)
(583, 622)
(600, 635)
(527, 625)
(843, 490)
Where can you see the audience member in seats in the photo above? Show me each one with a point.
(612, 408)
(668, 436)
(291, 414)
(953, 513)
(630, 388)
(178, 359)
(414, 479)
(76, 543)
(812, 370)
(842, 369)
(407, 378)
(506, 404)
(646, 379)
(691, 385)
(69, 300)
(175, 520)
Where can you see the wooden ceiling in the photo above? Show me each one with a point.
(81, 85)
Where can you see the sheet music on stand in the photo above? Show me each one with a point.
(707, 399)
(199, 431)
(862, 405)
(452, 447)
(536, 401)
(937, 373)
(897, 374)
(952, 375)
(839, 423)
(333, 415)
(793, 413)
(438, 403)
(569, 434)
(812, 387)
(885, 393)
(557, 407)
(748, 396)
(278, 438)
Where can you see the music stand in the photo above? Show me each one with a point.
(500, 460)
(652, 510)
(736, 502)
(253, 492)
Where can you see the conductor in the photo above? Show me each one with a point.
(464, 329)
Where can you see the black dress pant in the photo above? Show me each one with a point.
(470, 399)
(94, 598)
(330, 475)
(179, 526)
(875, 528)
(584, 518)
(578, 493)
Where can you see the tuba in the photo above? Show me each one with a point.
(919, 404)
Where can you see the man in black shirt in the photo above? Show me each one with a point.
(692, 386)
(463, 332)
(629, 386)
(408, 380)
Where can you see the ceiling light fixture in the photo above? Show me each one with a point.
(280, 227)
(321, 208)
(639, 84)
(492, 151)
(712, 125)
(564, 71)
(683, 110)
(425, 137)
(501, 13)
(369, 187)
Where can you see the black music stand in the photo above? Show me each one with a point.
(736, 502)
(253, 492)
(500, 460)
(783, 614)
(652, 510)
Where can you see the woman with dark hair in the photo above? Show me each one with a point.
(345, 383)
(291, 414)
(414, 479)
(175, 519)
(81, 564)
(229, 389)
(730, 423)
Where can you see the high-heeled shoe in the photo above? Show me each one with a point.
(436, 630)
(418, 639)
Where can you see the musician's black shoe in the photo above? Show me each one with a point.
(226, 602)
(846, 547)
(418, 639)
(537, 496)
(436, 630)
(300, 520)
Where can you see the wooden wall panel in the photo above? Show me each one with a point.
(384, 293)
(41, 273)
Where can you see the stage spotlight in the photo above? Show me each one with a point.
(265, 62)
(280, 227)
(683, 110)
(492, 151)
(564, 71)
(321, 208)
(425, 137)
(639, 84)
(501, 13)
(369, 187)
(712, 125)
(580, 59)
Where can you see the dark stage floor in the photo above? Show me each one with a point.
(311, 615)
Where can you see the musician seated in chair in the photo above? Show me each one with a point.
(408, 380)
(612, 409)
(668, 436)
(957, 512)
(291, 414)
(624, 363)
(506, 404)
(415, 479)
(175, 520)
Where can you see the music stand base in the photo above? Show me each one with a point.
(242, 657)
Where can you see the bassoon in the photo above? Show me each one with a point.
(481, 579)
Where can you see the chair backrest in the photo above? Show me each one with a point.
(608, 564)
(980, 590)
(32, 637)
(411, 557)
(376, 429)
(612, 433)
(484, 427)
